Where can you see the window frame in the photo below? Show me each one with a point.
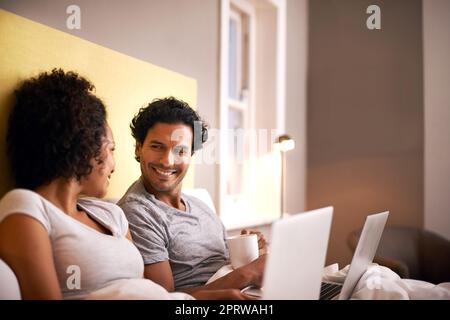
(248, 7)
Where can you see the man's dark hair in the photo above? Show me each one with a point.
(56, 128)
(172, 111)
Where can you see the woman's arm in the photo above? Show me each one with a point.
(25, 246)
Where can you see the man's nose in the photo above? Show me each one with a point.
(167, 158)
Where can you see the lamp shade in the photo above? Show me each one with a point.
(284, 143)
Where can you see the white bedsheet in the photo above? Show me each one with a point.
(381, 283)
(377, 283)
(136, 289)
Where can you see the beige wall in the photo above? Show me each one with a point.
(296, 102)
(436, 37)
(365, 115)
(265, 68)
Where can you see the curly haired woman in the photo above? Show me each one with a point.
(61, 147)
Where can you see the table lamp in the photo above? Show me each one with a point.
(283, 143)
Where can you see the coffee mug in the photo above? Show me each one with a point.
(243, 249)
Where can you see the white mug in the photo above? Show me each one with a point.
(243, 249)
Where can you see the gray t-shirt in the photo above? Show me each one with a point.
(192, 241)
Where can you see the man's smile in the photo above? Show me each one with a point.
(163, 172)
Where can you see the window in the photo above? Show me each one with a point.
(251, 109)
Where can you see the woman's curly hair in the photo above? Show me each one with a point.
(56, 128)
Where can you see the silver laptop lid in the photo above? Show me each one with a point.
(365, 251)
(298, 249)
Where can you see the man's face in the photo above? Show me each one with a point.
(165, 155)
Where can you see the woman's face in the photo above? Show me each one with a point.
(96, 183)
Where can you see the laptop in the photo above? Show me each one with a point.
(362, 258)
(305, 265)
(297, 256)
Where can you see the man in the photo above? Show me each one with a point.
(182, 241)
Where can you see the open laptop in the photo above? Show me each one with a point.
(362, 258)
(297, 256)
(297, 274)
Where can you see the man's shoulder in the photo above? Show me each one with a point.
(137, 204)
(132, 204)
(198, 204)
(135, 195)
(133, 199)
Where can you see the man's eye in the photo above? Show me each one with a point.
(155, 146)
(180, 151)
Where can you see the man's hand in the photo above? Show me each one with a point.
(254, 271)
(262, 243)
(250, 274)
(223, 294)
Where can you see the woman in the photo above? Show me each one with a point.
(58, 244)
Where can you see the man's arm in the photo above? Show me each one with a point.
(250, 274)
(148, 235)
(240, 278)
(161, 273)
(220, 289)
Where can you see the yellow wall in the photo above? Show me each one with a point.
(122, 82)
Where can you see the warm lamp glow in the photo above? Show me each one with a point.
(284, 143)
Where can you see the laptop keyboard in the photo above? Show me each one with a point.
(329, 290)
